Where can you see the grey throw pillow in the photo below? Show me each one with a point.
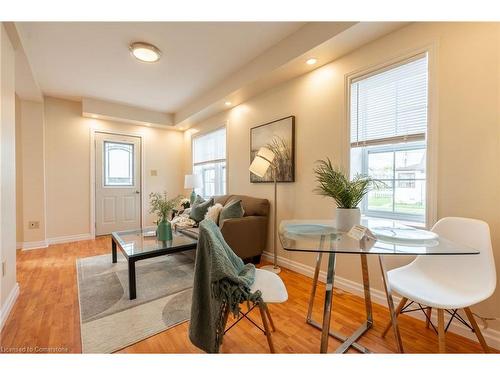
(231, 210)
(199, 208)
(199, 199)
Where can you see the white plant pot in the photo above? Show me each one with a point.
(346, 218)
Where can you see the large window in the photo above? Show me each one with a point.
(209, 162)
(388, 120)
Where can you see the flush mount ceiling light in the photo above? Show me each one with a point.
(145, 52)
(311, 61)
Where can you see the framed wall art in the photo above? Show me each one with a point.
(279, 137)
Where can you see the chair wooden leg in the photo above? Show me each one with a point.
(398, 310)
(225, 316)
(268, 313)
(441, 332)
(429, 314)
(266, 327)
(477, 331)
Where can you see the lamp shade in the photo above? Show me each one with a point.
(192, 181)
(266, 153)
(261, 162)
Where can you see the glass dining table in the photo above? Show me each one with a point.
(390, 239)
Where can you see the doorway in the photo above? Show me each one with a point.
(117, 183)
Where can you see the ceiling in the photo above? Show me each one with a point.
(91, 59)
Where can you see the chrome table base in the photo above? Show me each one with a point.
(390, 304)
(350, 341)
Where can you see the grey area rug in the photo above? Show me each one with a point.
(109, 321)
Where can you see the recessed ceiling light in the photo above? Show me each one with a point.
(311, 61)
(228, 103)
(145, 52)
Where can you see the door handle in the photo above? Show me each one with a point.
(137, 192)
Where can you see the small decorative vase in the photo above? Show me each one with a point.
(164, 231)
(346, 218)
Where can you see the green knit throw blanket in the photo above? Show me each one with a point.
(221, 283)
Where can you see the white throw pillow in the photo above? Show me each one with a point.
(182, 221)
(214, 212)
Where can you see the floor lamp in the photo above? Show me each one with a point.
(260, 165)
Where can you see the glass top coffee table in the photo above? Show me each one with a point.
(141, 244)
(321, 237)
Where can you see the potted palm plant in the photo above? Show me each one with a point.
(162, 206)
(333, 182)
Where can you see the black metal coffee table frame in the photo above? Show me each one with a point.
(131, 260)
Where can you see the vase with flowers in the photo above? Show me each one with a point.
(162, 206)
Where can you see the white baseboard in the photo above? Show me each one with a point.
(72, 238)
(9, 304)
(53, 241)
(491, 336)
(32, 245)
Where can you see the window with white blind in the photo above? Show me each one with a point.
(388, 120)
(209, 162)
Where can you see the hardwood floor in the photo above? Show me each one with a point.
(46, 315)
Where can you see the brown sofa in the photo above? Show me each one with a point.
(247, 236)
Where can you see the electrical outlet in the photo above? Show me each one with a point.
(154, 172)
(33, 224)
(4, 268)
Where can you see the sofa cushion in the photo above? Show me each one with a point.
(214, 212)
(221, 199)
(232, 210)
(191, 232)
(199, 208)
(252, 206)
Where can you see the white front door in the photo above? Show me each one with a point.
(117, 183)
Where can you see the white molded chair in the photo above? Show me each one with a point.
(272, 290)
(270, 285)
(450, 281)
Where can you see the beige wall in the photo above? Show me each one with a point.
(467, 122)
(124, 113)
(30, 135)
(19, 175)
(7, 170)
(67, 164)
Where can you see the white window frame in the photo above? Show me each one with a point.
(218, 175)
(432, 119)
(364, 170)
(107, 166)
